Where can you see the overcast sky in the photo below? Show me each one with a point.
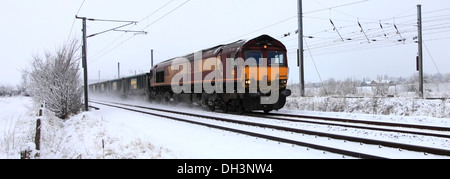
(30, 27)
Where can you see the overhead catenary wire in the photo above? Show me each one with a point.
(381, 26)
(260, 29)
(347, 36)
(398, 33)
(173, 10)
(118, 38)
(354, 38)
(340, 12)
(356, 44)
(315, 66)
(334, 7)
(382, 33)
(74, 19)
(157, 10)
(431, 57)
(406, 30)
(412, 21)
(375, 37)
(410, 36)
(109, 51)
(126, 40)
(403, 31)
(362, 30)
(332, 23)
(289, 18)
(81, 6)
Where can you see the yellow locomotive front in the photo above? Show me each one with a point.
(266, 74)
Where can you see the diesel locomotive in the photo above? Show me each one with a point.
(242, 76)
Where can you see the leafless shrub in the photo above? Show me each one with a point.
(55, 79)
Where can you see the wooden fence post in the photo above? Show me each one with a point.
(37, 138)
(26, 153)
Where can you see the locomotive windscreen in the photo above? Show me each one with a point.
(256, 54)
(277, 56)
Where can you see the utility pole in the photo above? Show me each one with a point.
(84, 49)
(84, 57)
(420, 57)
(300, 49)
(152, 60)
(118, 70)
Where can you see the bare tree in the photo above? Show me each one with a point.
(349, 87)
(337, 87)
(382, 86)
(6, 90)
(55, 80)
(24, 82)
(446, 77)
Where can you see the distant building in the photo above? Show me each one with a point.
(377, 82)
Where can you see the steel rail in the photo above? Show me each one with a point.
(435, 128)
(277, 139)
(424, 149)
(270, 116)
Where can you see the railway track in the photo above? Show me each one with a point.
(368, 125)
(356, 121)
(345, 151)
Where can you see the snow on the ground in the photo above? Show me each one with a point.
(396, 106)
(193, 141)
(95, 135)
(377, 135)
(81, 136)
(132, 135)
(16, 125)
(111, 133)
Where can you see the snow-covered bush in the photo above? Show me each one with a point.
(6, 90)
(55, 80)
(22, 88)
(336, 87)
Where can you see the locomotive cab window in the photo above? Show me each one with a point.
(276, 57)
(256, 54)
(160, 77)
(232, 56)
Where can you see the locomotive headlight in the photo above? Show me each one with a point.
(248, 82)
(283, 82)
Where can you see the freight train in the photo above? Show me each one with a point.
(242, 76)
